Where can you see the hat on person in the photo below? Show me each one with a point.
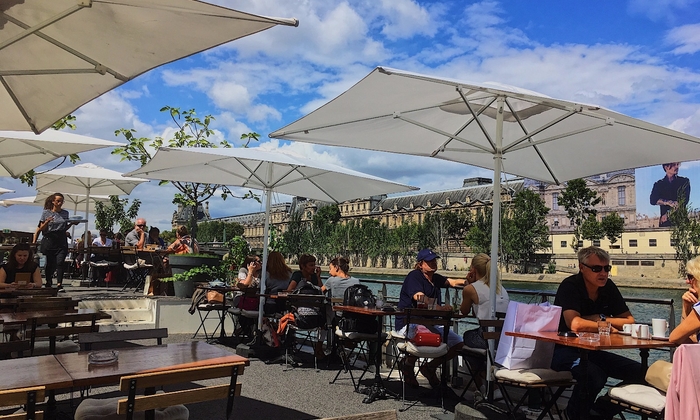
(426, 255)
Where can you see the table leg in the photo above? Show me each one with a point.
(585, 408)
(377, 390)
(222, 333)
(644, 355)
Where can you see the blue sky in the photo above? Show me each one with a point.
(638, 57)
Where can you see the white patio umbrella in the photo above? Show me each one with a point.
(56, 55)
(492, 126)
(5, 191)
(268, 171)
(87, 179)
(22, 151)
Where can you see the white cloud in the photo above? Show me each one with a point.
(405, 19)
(657, 10)
(687, 37)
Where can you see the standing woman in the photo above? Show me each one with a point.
(53, 224)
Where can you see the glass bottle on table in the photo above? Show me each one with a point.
(379, 302)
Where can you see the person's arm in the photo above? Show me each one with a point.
(469, 298)
(195, 246)
(248, 280)
(3, 279)
(457, 282)
(296, 277)
(142, 240)
(36, 278)
(689, 298)
(577, 323)
(688, 327)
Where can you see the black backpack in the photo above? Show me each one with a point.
(358, 295)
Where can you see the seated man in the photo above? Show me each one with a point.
(137, 237)
(424, 282)
(585, 299)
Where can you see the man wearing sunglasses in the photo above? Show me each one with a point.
(137, 237)
(586, 298)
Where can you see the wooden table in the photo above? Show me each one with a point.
(23, 317)
(26, 372)
(145, 359)
(615, 341)
(377, 390)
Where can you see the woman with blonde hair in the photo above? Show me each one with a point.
(687, 331)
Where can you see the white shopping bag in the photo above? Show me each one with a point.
(523, 353)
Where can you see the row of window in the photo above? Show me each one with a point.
(632, 243)
(621, 198)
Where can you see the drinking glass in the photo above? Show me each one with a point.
(604, 328)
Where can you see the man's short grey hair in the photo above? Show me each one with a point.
(585, 253)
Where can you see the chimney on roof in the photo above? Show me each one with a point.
(475, 182)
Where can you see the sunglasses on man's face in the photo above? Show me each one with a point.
(141, 226)
(598, 268)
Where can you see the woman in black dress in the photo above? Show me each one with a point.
(53, 224)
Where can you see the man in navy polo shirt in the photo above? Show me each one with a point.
(423, 281)
(586, 298)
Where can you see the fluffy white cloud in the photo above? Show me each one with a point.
(686, 37)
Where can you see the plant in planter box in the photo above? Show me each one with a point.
(188, 268)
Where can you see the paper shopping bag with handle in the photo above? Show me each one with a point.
(523, 353)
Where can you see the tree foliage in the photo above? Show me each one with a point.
(116, 213)
(218, 231)
(579, 202)
(685, 234)
(613, 226)
(524, 229)
(478, 237)
(191, 132)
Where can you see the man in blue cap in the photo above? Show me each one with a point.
(421, 283)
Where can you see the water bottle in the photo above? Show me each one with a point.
(380, 300)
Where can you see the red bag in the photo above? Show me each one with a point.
(424, 337)
(429, 339)
(249, 303)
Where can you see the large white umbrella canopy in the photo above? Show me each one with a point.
(493, 126)
(22, 151)
(88, 179)
(56, 55)
(268, 171)
(5, 191)
(77, 200)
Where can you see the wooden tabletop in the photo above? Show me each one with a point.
(365, 311)
(145, 359)
(27, 372)
(22, 317)
(612, 342)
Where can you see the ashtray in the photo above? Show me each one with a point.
(586, 336)
(103, 357)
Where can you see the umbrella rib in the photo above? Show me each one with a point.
(528, 136)
(558, 136)
(537, 149)
(252, 173)
(310, 179)
(99, 68)
(443, 147)
(476, 117)
(444, 133)
(235, 175)
(15, 99)
(39, 26)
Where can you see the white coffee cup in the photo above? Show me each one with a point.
(627, 328)
(644, 331)
(635, 330)
(659, 327)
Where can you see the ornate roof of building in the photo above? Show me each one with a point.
(463, 196)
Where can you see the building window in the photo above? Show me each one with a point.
(555, 201)
(621, 196)
(580, 244)
(652, 242)
(632, 262)
(648, 263)
(563, 244)
(596, 242)
(556, 222)
(633, 243)
(673, 242)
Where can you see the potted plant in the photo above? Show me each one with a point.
(190, 268)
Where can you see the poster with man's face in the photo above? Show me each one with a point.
(669, 192)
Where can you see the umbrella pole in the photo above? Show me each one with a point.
(495, 224)
(263, 274)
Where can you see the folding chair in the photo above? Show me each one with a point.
(294, 302)
(206, 308)
(28, 397)
(542, 381)
(136, 269)
(350, 345)
(644, 400)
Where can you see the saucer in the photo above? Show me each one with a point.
(624, 333)
(659, 338)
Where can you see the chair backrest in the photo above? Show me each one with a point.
(430, 317)
(116, 339)
(60, 326)
(46, 304)
(28, 397)
(152, 401)
(488, 324)
(19, 346)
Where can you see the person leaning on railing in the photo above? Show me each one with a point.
(689, 328)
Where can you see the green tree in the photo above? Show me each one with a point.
(116, 213)
(613, 226)
(685, 234)
(579, 202)
(478, 237)
(218, 230)
(592, 229)
(191, 132)
(524, 229)
(297, 238)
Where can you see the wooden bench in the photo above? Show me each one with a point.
(117, 339)
(60, 326)
(376, 415)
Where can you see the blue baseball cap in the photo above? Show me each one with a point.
(426, 255)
